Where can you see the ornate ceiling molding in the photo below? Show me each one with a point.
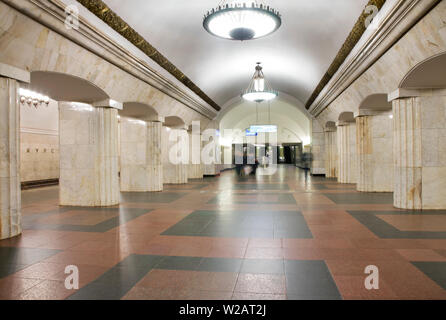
(351, 41)
(400, 16)
(103, 12)
(51, 13)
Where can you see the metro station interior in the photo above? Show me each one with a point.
(223, 150)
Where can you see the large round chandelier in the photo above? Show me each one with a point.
(242, 20)
(259, 90)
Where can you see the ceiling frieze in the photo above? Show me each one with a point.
(103, 12)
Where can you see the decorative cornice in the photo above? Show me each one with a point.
(347, 47)
(398, 17)
(51, 13)
(103, 12)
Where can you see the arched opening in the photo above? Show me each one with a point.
(290, 125)
(429, 74)
(48, 134)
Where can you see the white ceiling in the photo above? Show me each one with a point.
(294, 58)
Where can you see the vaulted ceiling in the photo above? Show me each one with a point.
(295, 58)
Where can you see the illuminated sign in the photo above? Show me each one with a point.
(249, 133)
(263, 129)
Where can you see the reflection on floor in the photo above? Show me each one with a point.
(286, 236)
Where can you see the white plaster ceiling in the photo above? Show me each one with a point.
(295, 58)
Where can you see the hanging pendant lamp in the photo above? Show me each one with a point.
(259, 90)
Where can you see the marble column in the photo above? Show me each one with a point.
(318, 149)
(347, 159)
(419, 149)
(174, 152)
(154, 163)
(331, 153)
(195, 168)
(213, 167)
(88, 155)
(10, 197)
(374, 138)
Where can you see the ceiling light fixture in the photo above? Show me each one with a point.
(259, 90)
(242, 20)
(34, 98)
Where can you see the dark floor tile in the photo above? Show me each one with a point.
(151, 197)
(117, 281)
(179, 263)
(220, 265)
(386, 231)
(124, 215)
(310, 279)
(322, 287)
(8, 269)
(313, 268)
(434, 270)
(24, 256)
(360, 198)
(242, 224)
(140, 261)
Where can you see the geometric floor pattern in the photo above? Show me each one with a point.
(285, 236)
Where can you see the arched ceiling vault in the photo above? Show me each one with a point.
(295, 58)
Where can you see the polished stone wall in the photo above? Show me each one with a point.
(88, 155)
(39, 154)
(375, 161)
(39, 141)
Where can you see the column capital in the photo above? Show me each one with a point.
(368, 112)
(7, 71)
(108, 103)
(401, 93)
(155, 119)
(343, 123)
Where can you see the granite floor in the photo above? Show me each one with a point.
(286, 236)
